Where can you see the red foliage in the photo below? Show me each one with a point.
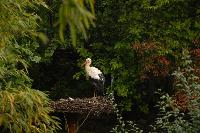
(151, 62)
(196, 54)
(196, 42)
(181, 101)
(154, 64)
(144, 47)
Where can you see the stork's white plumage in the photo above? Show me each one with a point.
(95, 76)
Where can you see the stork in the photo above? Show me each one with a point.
(95, 76)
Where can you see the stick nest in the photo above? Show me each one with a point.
(95, 106)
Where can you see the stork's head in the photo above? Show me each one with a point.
(88, 61)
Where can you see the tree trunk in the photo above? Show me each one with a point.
(72, 125)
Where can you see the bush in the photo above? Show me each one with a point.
(180, 112)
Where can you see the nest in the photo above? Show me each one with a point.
(95, 106)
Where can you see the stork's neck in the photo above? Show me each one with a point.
(87, 66)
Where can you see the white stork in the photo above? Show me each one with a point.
(95, 76)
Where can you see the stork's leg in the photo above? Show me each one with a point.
(94, 92)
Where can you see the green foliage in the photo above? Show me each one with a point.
(22, 108)
(172, 24)
(122, 126)
(16, 20)
(173, 116)
(79, 18)
(26, 110)
(170, 120)
(120, 25)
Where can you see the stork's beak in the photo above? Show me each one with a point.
(83, 64)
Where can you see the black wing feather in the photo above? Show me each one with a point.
(99, 84)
